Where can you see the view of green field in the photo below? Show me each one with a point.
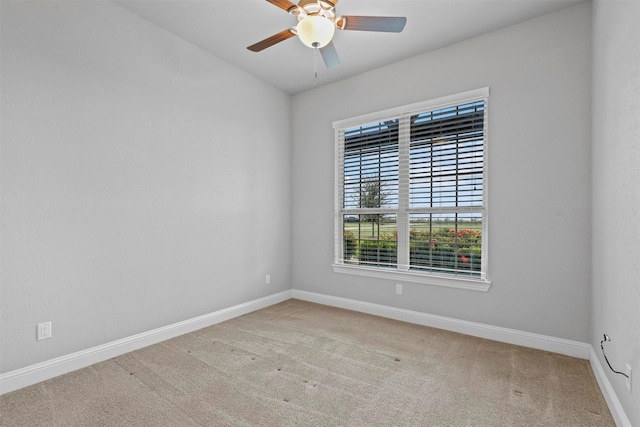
(373, 230)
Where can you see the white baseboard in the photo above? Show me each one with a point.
(496, 333)
(619, 416)
(33, 374)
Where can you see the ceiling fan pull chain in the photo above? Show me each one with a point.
(315, 65)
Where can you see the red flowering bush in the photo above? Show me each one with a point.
(446, 249)
(441, 250)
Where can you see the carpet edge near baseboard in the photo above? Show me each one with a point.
(495, 333)
(480, 330)
(33, 374)
(36, 373)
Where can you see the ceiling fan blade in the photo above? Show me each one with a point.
(388, 24)
(285, 5)
(268, 42)
(330, 56)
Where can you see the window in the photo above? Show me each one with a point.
(411, 193)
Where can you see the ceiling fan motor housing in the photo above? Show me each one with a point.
(313, 6)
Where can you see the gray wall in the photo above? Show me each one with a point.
(616, 196)
(144, 182)
(126, 153)
(539, 174)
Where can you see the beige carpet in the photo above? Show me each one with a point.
(303, 364)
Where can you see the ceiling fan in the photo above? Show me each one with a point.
(317, 21)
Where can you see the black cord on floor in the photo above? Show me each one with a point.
(606, 338)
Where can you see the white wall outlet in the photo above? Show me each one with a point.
(43, 331)
(398, 289)
(267, 279)
(628, 380)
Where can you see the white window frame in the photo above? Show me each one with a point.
(401, 274)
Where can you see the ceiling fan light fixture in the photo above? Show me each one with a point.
(315, 31)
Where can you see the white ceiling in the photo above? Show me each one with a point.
(226, 27)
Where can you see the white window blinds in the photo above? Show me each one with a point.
(446, 152)
(410, 191)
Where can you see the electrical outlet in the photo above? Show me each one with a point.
(267, 279)
(43, 331)
(398, 289)
(628, 380)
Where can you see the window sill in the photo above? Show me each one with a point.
(471, 284)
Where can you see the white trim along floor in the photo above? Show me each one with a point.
(33, 374)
